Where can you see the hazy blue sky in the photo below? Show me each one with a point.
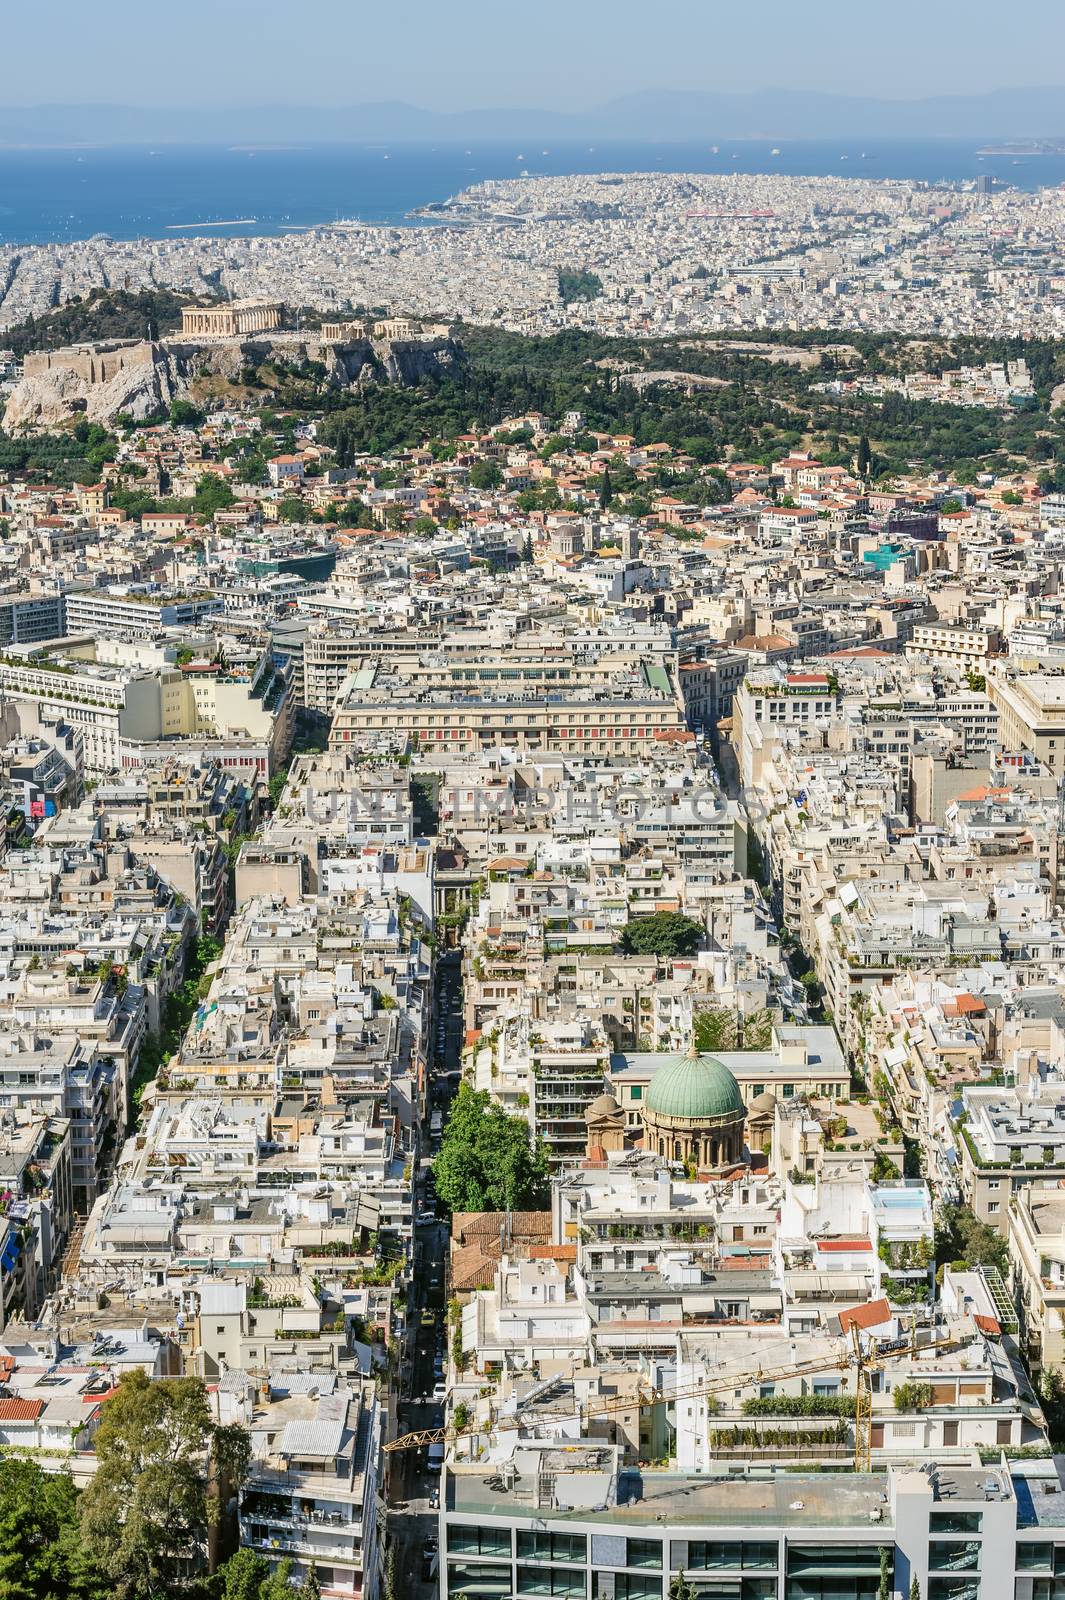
(558, 53)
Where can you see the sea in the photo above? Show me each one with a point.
(50, 195)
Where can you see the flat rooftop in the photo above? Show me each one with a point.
(787, 1500)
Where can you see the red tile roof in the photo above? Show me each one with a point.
(870, 1315)
(553, 1252)
(20, 1410)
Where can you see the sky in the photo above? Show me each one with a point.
(558, 54)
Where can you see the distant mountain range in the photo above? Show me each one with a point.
(649, 115)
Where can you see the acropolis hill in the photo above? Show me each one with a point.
(141, 377)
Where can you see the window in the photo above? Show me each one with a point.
(1032, 1557)
(643, 1553)
(960, 1587)
(464, 1577)
(638, 1586)
(479, 1541)
(955, 1521)
(1046, 1588)
(636, 1092)
(724, 1554)
(950, 1556)
(562, 1583)
(551, 1546)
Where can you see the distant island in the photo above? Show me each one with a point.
(1025, 147)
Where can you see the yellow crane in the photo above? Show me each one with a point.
(866, 1361)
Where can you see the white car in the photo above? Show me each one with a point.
(440, 1391)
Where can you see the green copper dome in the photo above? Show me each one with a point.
(697, 1088)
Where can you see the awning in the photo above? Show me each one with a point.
(11, 1252)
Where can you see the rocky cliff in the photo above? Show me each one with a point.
(49, 399)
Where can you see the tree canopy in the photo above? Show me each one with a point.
(212, 494)
(247, 1576)
(962, 1239)
(147, 1508)
(665, 933)
(485, 475)
(487, 1161)
(41, 1552)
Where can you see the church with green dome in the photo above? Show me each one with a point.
(693, 1112)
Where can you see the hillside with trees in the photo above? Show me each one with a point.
(102, 314)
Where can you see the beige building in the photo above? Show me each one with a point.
(1037, 1270)
(624, 710)
(126, 713)
(963, 647)
(231, 320)
(1031, 712)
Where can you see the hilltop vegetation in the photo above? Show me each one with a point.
(103, 314)
(760, 408)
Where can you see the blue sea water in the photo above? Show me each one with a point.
(131, 192)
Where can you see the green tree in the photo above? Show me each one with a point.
(915, 1590)
(1052, 1399)
(579, 286)
(913, 1396)
(292, 510)
(183, 414)
(212, 494)
(865, 457)
(963, 1239)
(251, 470)
(487, 1161)
(243, 1575)
(665, 933)
(146, 1510)
(715, 1030)
(606, 490)
(41, 1554)
(485, 475)
(248, 1576)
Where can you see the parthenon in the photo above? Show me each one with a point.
(233, 318)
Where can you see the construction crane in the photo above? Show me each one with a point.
(866, 1361)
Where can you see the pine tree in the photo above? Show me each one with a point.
(865, 457)
(606, 492)
(915, 1590)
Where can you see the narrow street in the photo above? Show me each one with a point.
(412, 1510)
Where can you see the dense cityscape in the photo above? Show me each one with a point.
(532, 900)
(669, 252)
